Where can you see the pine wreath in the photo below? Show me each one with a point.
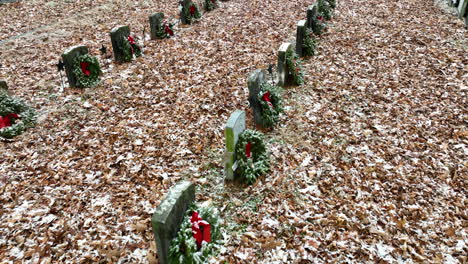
(165, 30)
(190, 13)
(210, 5)
(130, 48)
(251, 156)
(319, 25)
(87, 70)
(270, 103)
(15, 116)
(324, 9)
(294, 67)
(310, 44)
(332, 3)
(190, 248)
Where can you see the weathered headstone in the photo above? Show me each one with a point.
(462, 7)
(284, 77)
(234, 127)
(255, 81)
(169, 215)
(118, 35)
(300, 37)
(3, 85)
(312, 12)
(155, 20)
(68, 58)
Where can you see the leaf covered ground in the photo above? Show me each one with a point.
(369, 163)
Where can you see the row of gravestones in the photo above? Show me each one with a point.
(462, 8)
(120, 35)
(167, 219)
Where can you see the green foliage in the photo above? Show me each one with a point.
(210, 5)
(270, 113)
(324, 9)
(294, 67)
(127, 49)
(27, 115)
(161, 31)
(186, 14)
(94, 68)
(332, 3)
(310, 44)
(183, 248)
(258, 164)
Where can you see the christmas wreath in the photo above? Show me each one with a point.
(294, 67)
(251, 156)
(165, 30)
(332, 3)
(310, 43)
(86, 69)
(15, 116)
(319, 25)
(210, 5)
(199, 237)
(270, 103)
(190, 13)
(324, 9)
(130, 48)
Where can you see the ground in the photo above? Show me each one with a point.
(369, 163)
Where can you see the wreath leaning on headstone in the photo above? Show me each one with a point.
(251, 156)
(15, 116)
(87, 70)
(210, 5)
(165, 30)
(271, 104)
(294, 66)
(199, 237)
(324, 9)
(130, 48)
(310, 43)
(190, 13)
(332, 3)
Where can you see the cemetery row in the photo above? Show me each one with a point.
(184, 231)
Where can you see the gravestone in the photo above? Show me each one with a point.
(234, 127)
(155, 20)
(312, 22)
(462, 6)
(284, 77)
(169, 215)
(119, 34)
(185, 5)
(3, 85)
(68, 58)
(300, 37)
(255, 81)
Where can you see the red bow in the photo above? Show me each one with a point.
(5, 120)
(266, 98)
(192, 10)
(213, 1)
(168, 29)
(248, 153)
(131, 40)
(320, 18)
(84, 68)
(200, 228)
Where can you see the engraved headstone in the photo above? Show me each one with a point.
(169, 215)
(156, 21)
(255, 81)
(118, 35)
(300, 37)
(284, 77)
(234, 127)
(68, 58)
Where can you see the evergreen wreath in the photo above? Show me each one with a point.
(190, 13)
(332, 3)
(319, 25)
(324, 9)
(270, 103)
(294, 67)
(310, 44)
(210, 5)
(87, 70)
(165, 30)
(184, 247)
(130, 48)
(15, 116)
(251, 156)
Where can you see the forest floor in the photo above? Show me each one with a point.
(369, 163)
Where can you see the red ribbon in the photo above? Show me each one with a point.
(84, 68)
(168, 30)
(5, 121)
(192, 10)
(266, 98)
(320, 18)
(248, 153)
(132, 42)
(201, 229)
